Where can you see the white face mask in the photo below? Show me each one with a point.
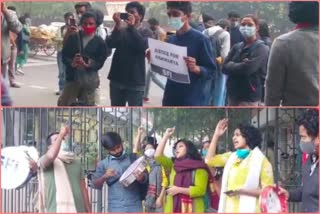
(149, 153)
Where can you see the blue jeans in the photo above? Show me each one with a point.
(62, 71)
(219, 92)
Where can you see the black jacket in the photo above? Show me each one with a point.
(128, 63)
(96, 50)
(246, 79)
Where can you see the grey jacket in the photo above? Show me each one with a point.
(292, 76)
(308, 193)
(9, 22)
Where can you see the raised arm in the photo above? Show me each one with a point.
(221, 128)
(160, 149)
(138, 140)
(54, 149)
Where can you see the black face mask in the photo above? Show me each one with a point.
(119, 154)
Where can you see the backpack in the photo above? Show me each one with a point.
(215, 41)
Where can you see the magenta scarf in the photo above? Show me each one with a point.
(183, 177)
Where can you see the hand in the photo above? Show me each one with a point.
(116, 18)
(232, 193)
(148, 55)
(72, 29)
(109, 173)
(159, 202)
(64, 131)
(33, 166)
(192, 65)
(221, 127)
(282, 191)
(131, 20)
(173, 190)
(141, 131)
(139, 175)
(169, 132)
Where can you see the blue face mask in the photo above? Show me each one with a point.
(247, 31)
(204, 153)
(175, 23)
(243, 153)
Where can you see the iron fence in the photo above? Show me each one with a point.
(30, 126)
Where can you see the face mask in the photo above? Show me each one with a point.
(307, 147)
(234, 24)
(89, 30)
(204, 153)
(175, 23)
(243, 153)
(247, 31)
(149, 153)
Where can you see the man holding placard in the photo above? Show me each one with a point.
(198, 59)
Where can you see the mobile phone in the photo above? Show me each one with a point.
(229, 192)
(72, 22)
(124, 16)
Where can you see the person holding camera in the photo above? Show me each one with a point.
(84, 54)
(127, 73)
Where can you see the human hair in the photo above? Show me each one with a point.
(150, 141)
(110, 139)
(100, 16)
(184, 6)
(153, 21)
(13, 8)
(89, 14)
(251, 134)
(253, 17)
(263, 28)
(22, 20)
(67, 14)
(87, 5)
(309, 119)
(140, 8)
(304, 12)
(233, 14)
(192, 151)
(206, 18)
(224, 23)
(48, 139)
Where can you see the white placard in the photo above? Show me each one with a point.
(168, 60)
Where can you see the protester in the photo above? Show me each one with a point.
(23, 40)
(81, 8)
(110, 169)
(308, 192)
(200, 59)
(188, 176)
(11, 23)
(159, 34)
(264, 33)
(128, 70)
(60, 35)
(235, 34)
(246, 66)
(246, 171)
(157, 176)
(84, 54)
(220, 36)
(62, 186)
(289, 68)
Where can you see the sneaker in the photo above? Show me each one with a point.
(57, 92)
(146, 99)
